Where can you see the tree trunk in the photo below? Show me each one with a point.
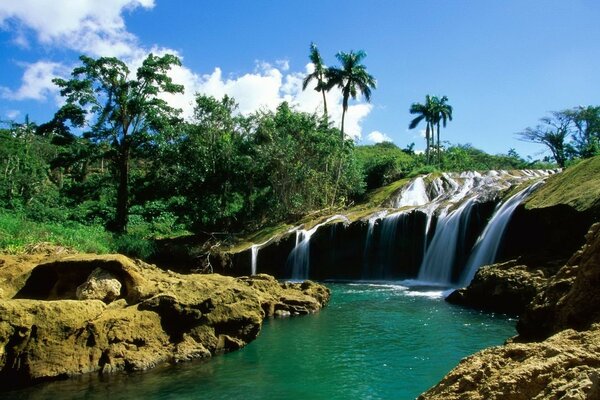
(439, 153)
(120, 225)
(427, 149)
(343, 116)
(325, 105)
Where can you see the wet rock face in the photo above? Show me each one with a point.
(552, 233)
(572, 297)
(158, 317)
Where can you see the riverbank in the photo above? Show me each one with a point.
(373, 340)
(557, 351)
(78, 314)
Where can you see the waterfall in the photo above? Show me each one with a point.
(414, 195)
(254, 251)
(254, 256)
(369, 241)
(487, 245)
(300, 255)
(439, 257)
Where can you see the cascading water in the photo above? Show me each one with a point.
(429, 238)
(486, 248)
(441, 253)
(254, 256)
(414, 195)
(254, 259)
(300, 255)
(369, 242)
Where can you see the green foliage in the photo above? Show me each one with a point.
(17, 232)
(123, 113)
(434, 111)
(384, 163)
(352, 78)
(568, 134)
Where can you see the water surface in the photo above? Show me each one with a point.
(374, 341)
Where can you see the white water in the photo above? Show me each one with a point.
(441, 253)
(414, 195)
(300, 255)
(487, 245)
(254, 259)
(254, 255)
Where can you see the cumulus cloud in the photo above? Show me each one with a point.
(98, 29)
(36, 82)
(12, 114)
(378, 137)
(266, 88)
(89, 26)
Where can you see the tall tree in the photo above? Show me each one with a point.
(585, 127)
(425, 112)
(125, 112)
(352, 78)
(552, 132)
(319, 74)
(442, 112)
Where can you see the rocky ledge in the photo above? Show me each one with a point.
(87, 313)
(557, 352)
(505, 288)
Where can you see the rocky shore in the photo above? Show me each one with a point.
(77, 314)
(556, 354)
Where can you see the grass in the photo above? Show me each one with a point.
(578, 186)
(17, 233)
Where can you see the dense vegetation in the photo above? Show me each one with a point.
(116, 158)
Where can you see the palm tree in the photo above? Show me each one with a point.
(425, 112)
(319, 74)
(351, 78)
(442, 112)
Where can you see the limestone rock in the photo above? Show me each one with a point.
(565, 366)
(159, 317)
(506, 287)
(572, 298)
(100, 285)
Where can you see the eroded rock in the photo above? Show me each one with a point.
(157, 317)
(565, 366)
(571, 299)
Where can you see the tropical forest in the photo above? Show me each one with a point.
(240, 244)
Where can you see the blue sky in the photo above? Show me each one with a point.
(502, 64)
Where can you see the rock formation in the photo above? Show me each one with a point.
(505, 288)
(557, 352)
(156, 317)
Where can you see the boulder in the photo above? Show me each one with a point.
(100, 285)
(47, 331)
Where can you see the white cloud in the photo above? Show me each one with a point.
(12, 114)
(266, 88)
(378, 137)
(89, 26)
(36, 82)
(97, 28)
